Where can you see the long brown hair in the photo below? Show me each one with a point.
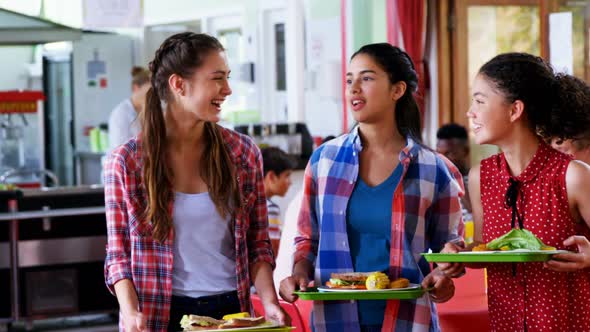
(181, 54)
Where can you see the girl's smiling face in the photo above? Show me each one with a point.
(207, 88)
(489, 112)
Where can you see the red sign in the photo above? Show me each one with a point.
(20, 101)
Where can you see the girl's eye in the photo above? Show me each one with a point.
(348, 82)
(366, 78)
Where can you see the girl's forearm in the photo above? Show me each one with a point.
(126, 296)
(261, 274)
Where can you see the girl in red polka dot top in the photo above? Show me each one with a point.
(517, 103)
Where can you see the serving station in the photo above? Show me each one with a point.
(52, 249)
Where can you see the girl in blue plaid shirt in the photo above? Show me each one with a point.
(374, 199)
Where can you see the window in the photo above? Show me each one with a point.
(280, 57)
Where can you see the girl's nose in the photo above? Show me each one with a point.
(354, 87)
(227, 89)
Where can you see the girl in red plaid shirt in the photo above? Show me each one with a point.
(186, 210)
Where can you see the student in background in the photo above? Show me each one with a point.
(452, 142)
(123, 121)
(284, 258)
(278, 167)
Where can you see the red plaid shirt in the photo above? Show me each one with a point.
(133, 254)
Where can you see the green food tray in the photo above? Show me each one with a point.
(492, 256)
(314, 295)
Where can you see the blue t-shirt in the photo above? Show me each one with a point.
(369, 235)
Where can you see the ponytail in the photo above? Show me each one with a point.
(218, 171)
(570, 114)
(408, 117)
(156, 174)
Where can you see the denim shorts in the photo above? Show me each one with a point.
(215, 306)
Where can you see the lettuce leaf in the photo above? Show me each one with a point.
(184, 321)
(340, 282)
(516, 239)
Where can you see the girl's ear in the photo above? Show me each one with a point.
(517, 110)
(272, 176)
(398, 90)
(176, 84)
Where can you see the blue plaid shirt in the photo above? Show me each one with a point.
(426, 214)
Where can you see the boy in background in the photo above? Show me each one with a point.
(278, 167)
(452, 141)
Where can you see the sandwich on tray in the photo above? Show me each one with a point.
(365, 280)
(242, 322)
(348, 280)
(201, 323)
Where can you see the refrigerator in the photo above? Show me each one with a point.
(82, 90)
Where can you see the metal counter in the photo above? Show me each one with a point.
(62, 191)
(53, 232)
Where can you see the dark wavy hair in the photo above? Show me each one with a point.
(399, 67)
(555, 105)
(181, 54)
(572, 110)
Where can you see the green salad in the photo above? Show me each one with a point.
(518, 239)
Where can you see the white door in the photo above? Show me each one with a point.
(274, 70)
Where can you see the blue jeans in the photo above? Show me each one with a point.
(370, 328)
(215, 306)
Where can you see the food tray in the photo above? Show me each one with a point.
(406, 294)
(511, 256)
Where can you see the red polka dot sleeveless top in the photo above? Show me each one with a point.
(527, 296)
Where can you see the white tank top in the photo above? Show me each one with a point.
(204, 248)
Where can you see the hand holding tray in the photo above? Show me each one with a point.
(413, 292)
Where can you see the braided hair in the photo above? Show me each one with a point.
(181, 54)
